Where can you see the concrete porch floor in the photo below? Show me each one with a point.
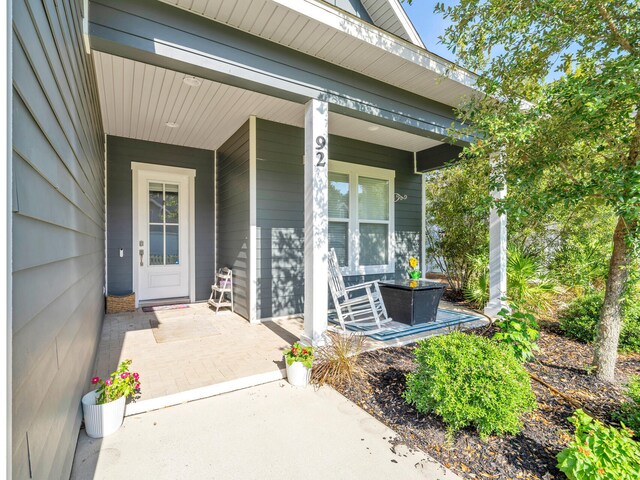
(226, 354)
(197, 353)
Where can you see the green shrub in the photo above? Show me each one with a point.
(629, 413)
(527, 283)
(518, 331)
(580, 321)
(470, 381)
(599, 452)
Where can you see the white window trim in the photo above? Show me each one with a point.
(354, 171)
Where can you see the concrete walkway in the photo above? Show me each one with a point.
(271, 431)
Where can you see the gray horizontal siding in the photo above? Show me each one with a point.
(58, 234)
(232, 244)
(280, 211)
(120, 153)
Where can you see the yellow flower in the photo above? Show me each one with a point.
(413, 262)
(413, 284)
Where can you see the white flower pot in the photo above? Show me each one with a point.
(102, 420)
(297, 374)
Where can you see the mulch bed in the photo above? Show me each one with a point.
(562, 363)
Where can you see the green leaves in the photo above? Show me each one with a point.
(598, 452)
(519, 332)
(299, 353)
(120, 383)
(470, 381)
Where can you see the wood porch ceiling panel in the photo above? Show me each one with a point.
(137, 100)
(277, 23)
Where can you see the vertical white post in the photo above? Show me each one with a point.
(253, 223)
(316, 220)
(497, 250)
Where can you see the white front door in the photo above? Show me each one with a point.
(162, 203)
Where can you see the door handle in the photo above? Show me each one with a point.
(141, 253)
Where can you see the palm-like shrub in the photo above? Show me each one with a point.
(528, 285)
(470, 380)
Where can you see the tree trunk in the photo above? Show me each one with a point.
(606, 352)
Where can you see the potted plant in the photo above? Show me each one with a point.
(104, 407)
(298, 360)
(414, 273)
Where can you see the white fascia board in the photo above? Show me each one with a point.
(377, 37)
(406, 23)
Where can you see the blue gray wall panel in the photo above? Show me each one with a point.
(120, 153)
(280, 213)
(58, 234)
(232, 179)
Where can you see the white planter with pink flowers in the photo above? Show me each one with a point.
(102, 420)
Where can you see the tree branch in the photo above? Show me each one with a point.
(622, 41)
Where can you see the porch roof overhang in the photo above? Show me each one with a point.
(138, 100)
(162, 36)
(323, 31)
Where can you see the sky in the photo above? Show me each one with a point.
(429, 25)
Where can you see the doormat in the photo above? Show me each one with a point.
(176, 330)
(159, 308)
(394, 330)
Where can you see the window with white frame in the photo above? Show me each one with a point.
(361, 220)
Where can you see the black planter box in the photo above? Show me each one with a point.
(412, 305)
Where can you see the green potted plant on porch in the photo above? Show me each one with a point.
(103, 407)
(298, 361)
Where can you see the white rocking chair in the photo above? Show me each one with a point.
(364, 310)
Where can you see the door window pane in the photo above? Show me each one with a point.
(338, 195)
(171, 203)
(339, 240)
(156, 245)
(155, 203)
(164, 206)
(374, 244)
(172, 245)
(373, 199)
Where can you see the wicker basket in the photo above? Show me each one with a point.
(121, 303)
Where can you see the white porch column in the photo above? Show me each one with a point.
(497, 251)
(316, 220)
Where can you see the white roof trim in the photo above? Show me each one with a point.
(406, 23)
(377, 37)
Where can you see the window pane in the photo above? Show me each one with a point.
(374, 244)
(338, 240)
(172, 245)
(373, 199)
(171, 203)
(338, 195)
(155, 202)
(156, 245)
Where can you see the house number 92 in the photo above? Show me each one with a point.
(321, 142)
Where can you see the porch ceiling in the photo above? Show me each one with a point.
(138, 100)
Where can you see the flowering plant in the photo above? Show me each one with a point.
(120, 383)
(299, 353)
(413, 268)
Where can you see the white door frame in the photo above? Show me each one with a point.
(136, 167)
